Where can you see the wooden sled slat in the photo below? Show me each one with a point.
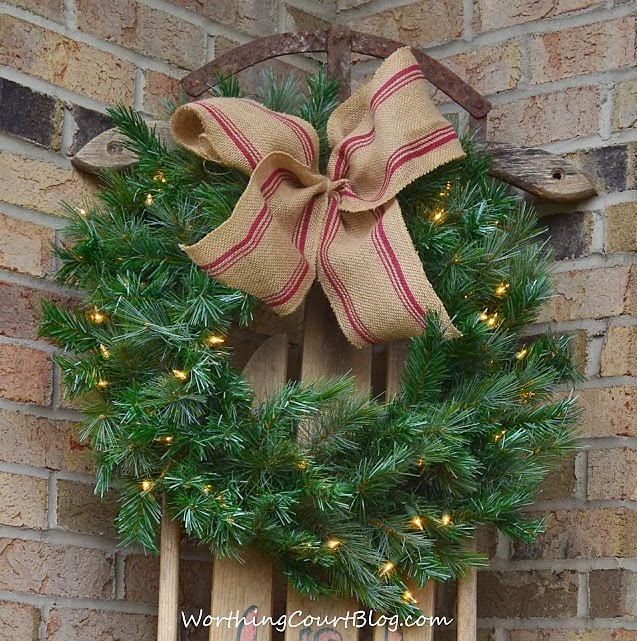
(547, 176)
(246, 588)
(168, 603)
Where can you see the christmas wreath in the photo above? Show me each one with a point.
(349, 495)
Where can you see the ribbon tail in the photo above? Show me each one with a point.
(373, 277)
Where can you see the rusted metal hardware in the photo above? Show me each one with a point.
(339, 43)
(544, 175)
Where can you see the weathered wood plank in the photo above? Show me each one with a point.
(167, 615)
(241, 595)
(467, 606)
(108, 151)
(323, 613)
(397, 352)
(266, 371)
(326, 351)
(545, 175)
(396, 356)
(548, 176)
(246, 589)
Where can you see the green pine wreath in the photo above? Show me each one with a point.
(377, 494)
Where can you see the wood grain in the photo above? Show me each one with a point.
(326, 352)
(167, 615)
(467, 606)
(246, 587)
(547, 176)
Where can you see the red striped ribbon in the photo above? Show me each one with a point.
(293, 225)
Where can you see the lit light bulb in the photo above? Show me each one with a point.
(169, 439)
(159, 177)
(302, 465)
(522, 353)
(446, 519)
(215, 340)
(208, 489)
(104, 351)
(525, 397)
(502, 289)
(96, 316)
(445, 190)
(149, 200)
(417, 522)
(81, 211)
(386, 568)
(102, 383)
(498, 437)
(146, 485)
(179, 374)
(438, 216)
(484, 315)
(492, 321)
(333, 544)
(408, 597)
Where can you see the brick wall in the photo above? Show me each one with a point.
(560, 73)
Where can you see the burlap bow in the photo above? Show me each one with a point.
(293, 224)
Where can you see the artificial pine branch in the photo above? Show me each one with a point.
(350, 496)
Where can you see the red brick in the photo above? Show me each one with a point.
(19, 621)
(60, 570)
(54, 445)
(51, 9)
(612, 593)
(619, 357)
(23, 501)
(26, 247)
(537, 593)
(254, 18)
(419, 24)
(31, 115)
(600, 46)
(621, 228)
(144, 29)
(222, 45)
(141, 578)
(76, 66)
(549, 117)
(608, 411)
(590, 534)
(25, 374)
(158, 89)
(560, 483)
(624, 100)
(41, 185)
(494, 14)
(612, 474)
(142, 581)
(88, 625)
(20, 313)
(573, 635)
(344, 5)
(80, 510)
(489, 70)
(594, 293)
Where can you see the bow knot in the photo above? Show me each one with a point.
(333, 188)
(292, 224)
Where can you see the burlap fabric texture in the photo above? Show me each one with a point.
(293, 225)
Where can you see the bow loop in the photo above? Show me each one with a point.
(292, 224)
(239, 133)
